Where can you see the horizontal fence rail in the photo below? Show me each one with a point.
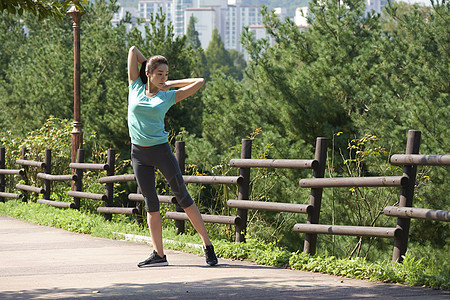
(30, 188)
(56, 177)
(85, 195)
(56, 203)
(10, 195)
(206, 218)
(213, 179)
(12, 172)
(186, 178)
(117, 178)
(164, 199)
(118, 210)
(422, 160)
(275, 163)
(271, 206)
(417, 213)
(30, 163)
(383, 232)
(387, 181)
(87, 166)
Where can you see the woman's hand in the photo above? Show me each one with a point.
(165, 87)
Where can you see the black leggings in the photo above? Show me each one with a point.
(144, 160)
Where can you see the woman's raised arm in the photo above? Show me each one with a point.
(188, 87)
(135, 57)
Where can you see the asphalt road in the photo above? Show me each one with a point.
(38, 262)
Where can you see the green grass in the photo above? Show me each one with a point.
(411, 272)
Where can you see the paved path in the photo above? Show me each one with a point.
(38, 262)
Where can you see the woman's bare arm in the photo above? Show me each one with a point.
(188, 87)
(135, 57)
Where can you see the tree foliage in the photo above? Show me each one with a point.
(350, 76)
(37, 72)
(40, 8)
(218, 58)
(192, 34)
(361, 75)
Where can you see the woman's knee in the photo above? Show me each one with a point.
(152, 205)
(185, 201)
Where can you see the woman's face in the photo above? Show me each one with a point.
(159, 75)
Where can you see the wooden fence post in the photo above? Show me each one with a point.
(2, 176)
(244, 191)
(315, 198)
(23, 153)
(48, 170)
(407, 196)
(110, 161)
(78, 185)
(180, 155)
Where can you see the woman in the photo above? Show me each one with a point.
(149, 99)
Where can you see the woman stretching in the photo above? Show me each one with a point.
(149, 99)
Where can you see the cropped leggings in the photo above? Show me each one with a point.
(145, 160)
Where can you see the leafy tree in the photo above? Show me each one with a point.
(218, 58)
(11, 33)
(350, 72)
(413, 79)
(104, 76)
(37, 79)
(238, 62)
(192, 34)
(193, 41)
(44, 64)
(40, 8)
(37, 76)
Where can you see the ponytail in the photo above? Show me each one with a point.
(142, 72)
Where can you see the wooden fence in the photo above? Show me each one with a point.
(404, 212)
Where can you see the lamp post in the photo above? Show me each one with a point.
(77, 132)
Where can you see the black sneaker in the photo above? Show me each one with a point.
(211, 259)
(154, 261)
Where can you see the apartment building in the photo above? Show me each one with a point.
(205, 18)
(147, 8)
(230, 17)
(237, 18)
(179, 6)
(375, 5)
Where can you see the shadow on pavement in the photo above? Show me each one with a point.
(230, 288)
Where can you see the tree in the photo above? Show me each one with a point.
(104, 76)
(350, 72)
(11, 34)
(192, 34)
(43, 63)
(218, 58)
(238, 62)
(40, 8)
(38, 77)
(193, 41)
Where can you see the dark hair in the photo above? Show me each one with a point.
(150, 65)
